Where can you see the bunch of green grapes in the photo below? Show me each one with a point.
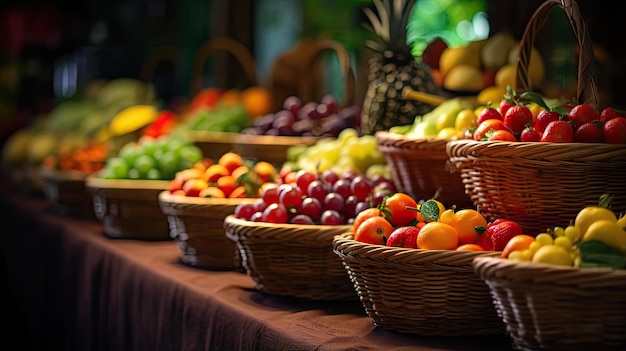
(558, 245)
(152, 159)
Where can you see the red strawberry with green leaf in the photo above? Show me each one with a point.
(517, 118)
(502, 232)
(558, 132)
(590, 132)
(489, 112)
(530, 134)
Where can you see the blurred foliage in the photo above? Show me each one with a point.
(456, 22)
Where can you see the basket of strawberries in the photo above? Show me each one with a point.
(537, 169)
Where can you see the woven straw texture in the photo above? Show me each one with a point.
(197, 225)
(548, 307)
(66, 192)
(129, 209)
(543, 184)
(419, 167)
(424, 292)
(539, 184)
(292, 260)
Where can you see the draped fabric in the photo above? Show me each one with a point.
(71, 288)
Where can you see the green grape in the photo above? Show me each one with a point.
(133, 173)
(148, 146)
(168, 164)
(533, 247)
(184, 164)
(190, 153)
(573, 233)
(143, 164)
(558, 231)
(544, 239)
(154, 174)
(517, 255)
(564, 242)
(118, 168)
(129, 153)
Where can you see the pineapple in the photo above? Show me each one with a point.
(391, 68)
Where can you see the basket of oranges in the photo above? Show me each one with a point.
(199, 199)
(418, 278)
(539, 182)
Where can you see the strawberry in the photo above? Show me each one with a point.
(609, 113)
(509, 100)
(484, 241)
(488, 113)
(530, 134)
(581, 114)
(500, 135)
(500, 232)
(558, 132)
(517, 118)
(544, 118)
(590, 132)
(615, 131)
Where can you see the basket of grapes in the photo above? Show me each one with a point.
(285, 238)
(64, 174)
(198, 200)
(573, 153)
(125, 192)
(563, 289)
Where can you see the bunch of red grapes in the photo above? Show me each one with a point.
(317, 119)
(327, 199)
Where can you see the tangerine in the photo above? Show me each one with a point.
(469, 224)
(437, 236)
(257, 100)
(365, 214)
(397, 205)
(470, 247)
(227, 184)
(231, 161)
(212, 192)
(519, 242)
(264, 170)
(214, 172)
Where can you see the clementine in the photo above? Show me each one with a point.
(437, 236)
(374, 230)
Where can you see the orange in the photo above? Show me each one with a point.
(239, 192)
(230, 97)
(519, 242)
(437, 236)
(397, 205)
(227, 184)
(214, 172)
(469, 224)
(374, 230)
(212, 192)
(257, 100)
(239, 171)
(363, 215)
(231, 161)
(470, 247)
(265, 171)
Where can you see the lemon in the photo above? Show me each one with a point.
(591, 214)
(494, 93)
(622, 222)
(448, 133)
(552, 254)
(465, 119)
(607, 231)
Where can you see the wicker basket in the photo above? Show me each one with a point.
(419, 167)
(197, 224)
(66, 192)
(548, 307)
(424, 292)
(129, 209)
(292, 260)
(543, 184)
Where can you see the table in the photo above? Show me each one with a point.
(69, 287)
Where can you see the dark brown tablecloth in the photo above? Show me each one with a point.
(68, 287)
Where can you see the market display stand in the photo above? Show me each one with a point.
(71, 288)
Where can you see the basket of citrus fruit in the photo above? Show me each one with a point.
(571, 152)
(125, 192)
(411, 265)
(563, 289)
(198, 200)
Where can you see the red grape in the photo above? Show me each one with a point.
(311, 207)
(303, 179)
(244, 211)
(318, 190)
(361, 187)
(302, 219)
(334, 201)
(291, 197)
(331, 217)
(275, 213)
(342, 187)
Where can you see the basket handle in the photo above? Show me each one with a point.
(346, 68)
(232, 46)
(587, 89)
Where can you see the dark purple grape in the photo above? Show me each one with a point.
(342, 187)
(311, 207)
(361, 187)
(308, 110)
(331, 217)
(350, 206)
(301, 219)
(322, 110)
(349, 174)
(292, 104)
(378, 196)
(329, 177)
(318, 190)
(334, 201)
(303, 126)
(263, 123)
(362, 205)
(330, 101)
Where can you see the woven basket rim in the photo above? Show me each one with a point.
(388, 138)
(93, 181)
(248, 139)
(232, 220)
(167, 198)
(482, 263)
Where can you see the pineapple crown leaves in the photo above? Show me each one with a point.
(388, 24)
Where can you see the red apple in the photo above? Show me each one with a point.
(374, 230)
(432, 52)
(404, 237)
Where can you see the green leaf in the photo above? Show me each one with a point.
(595, 253)
(430, 210)
(534, 97)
